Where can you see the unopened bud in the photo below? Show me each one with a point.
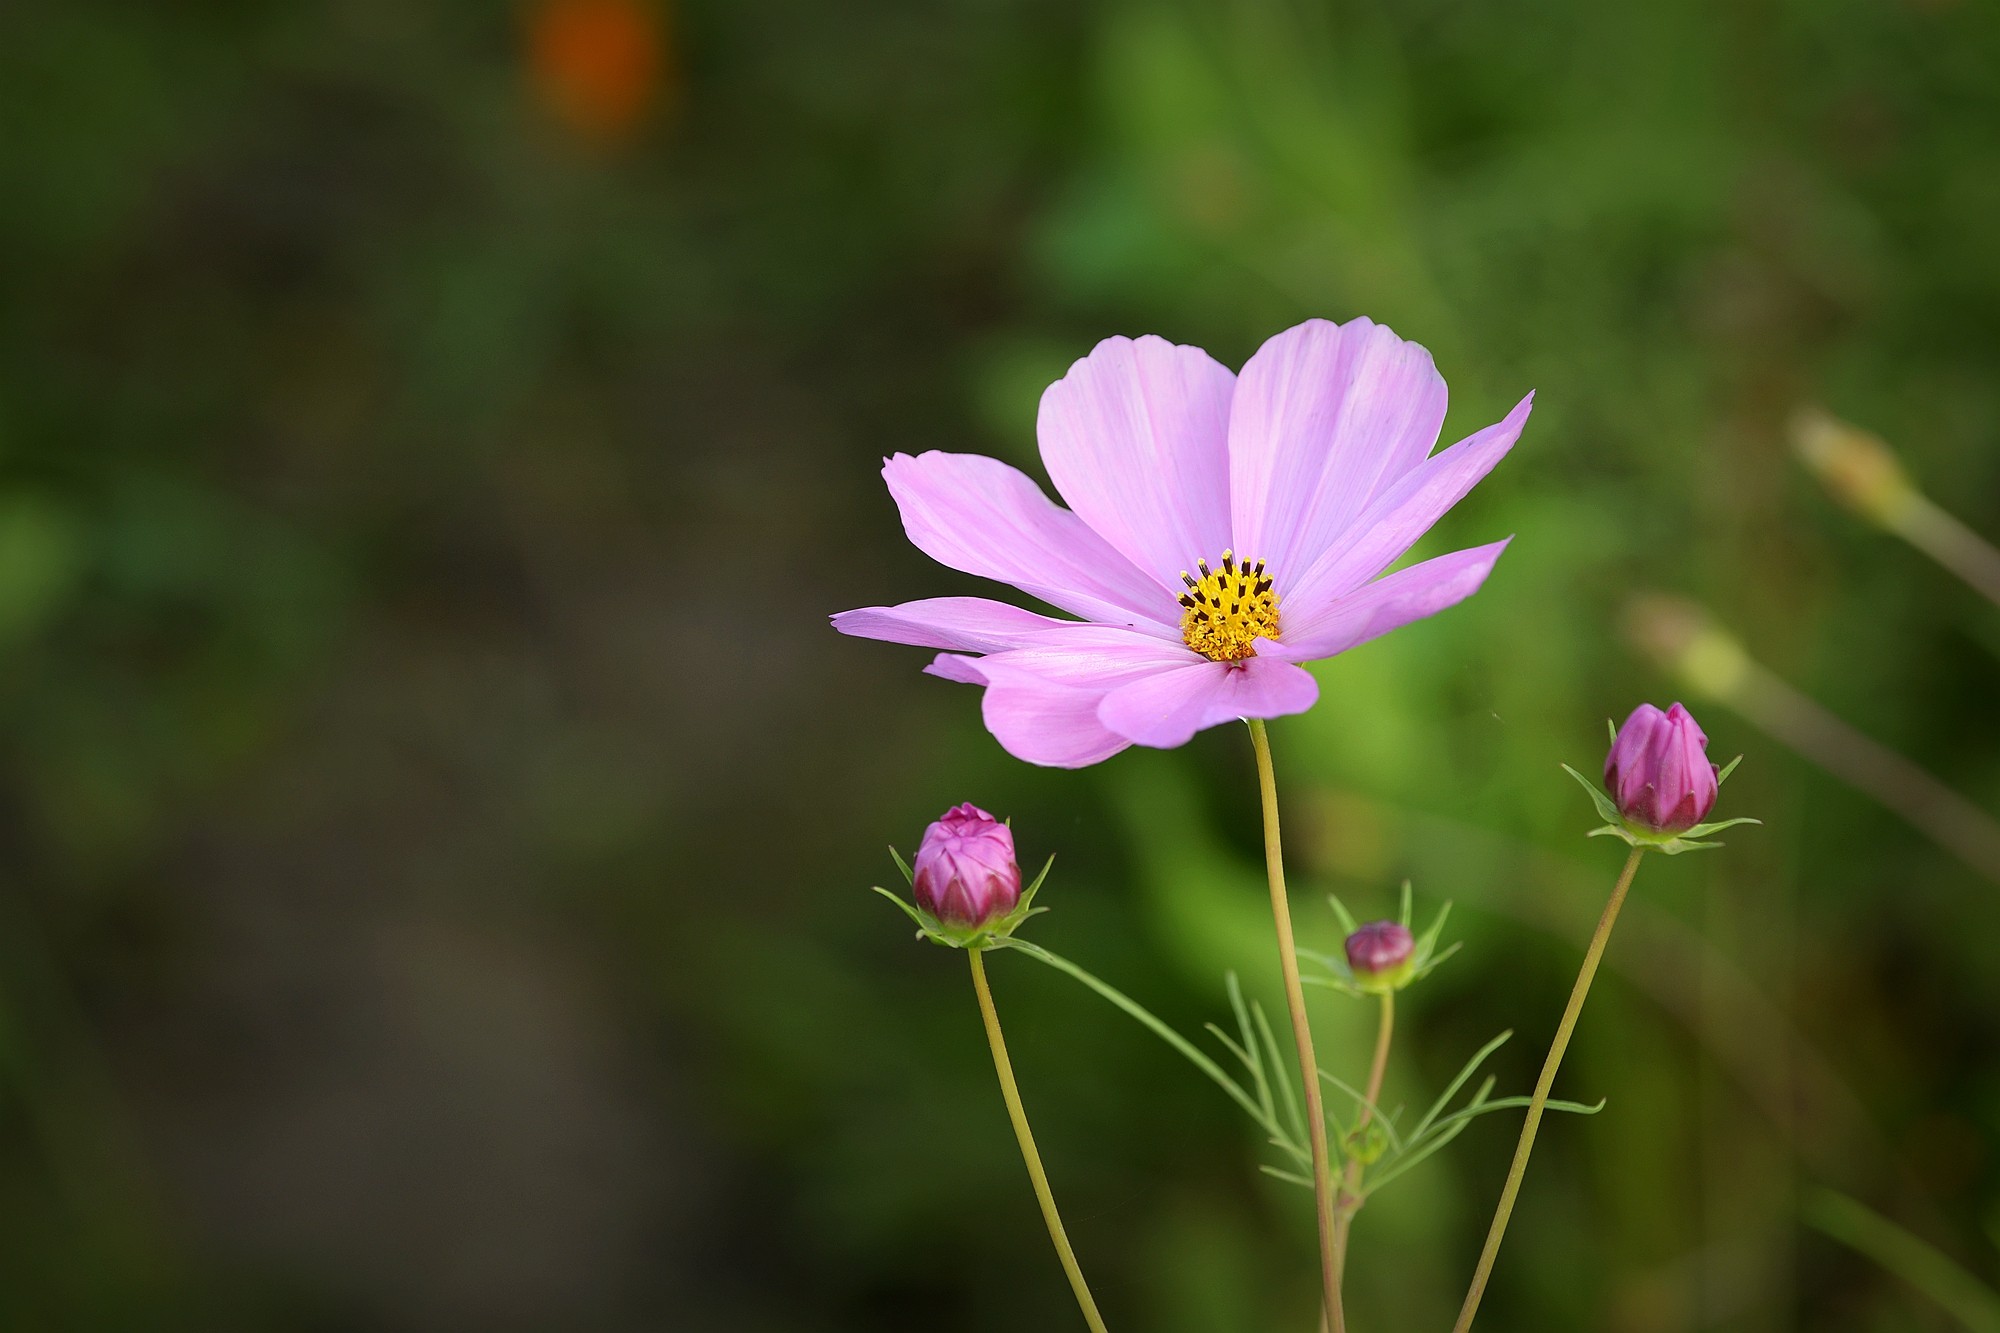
(1380, 954)
(965, 874)
(1858, 468)
(1658, 773)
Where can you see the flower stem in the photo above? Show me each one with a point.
(1019, 1115)
(1951, 543)
(1349, 1202)
(1295, 1004)
(1577, 996)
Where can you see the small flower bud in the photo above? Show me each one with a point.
(1658, 772)
(1685, 639)
(1862, 472)
(1380, 954)
(965, 874)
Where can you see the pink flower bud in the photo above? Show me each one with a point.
(965, 873)
(1658, 772)
(1380, 952)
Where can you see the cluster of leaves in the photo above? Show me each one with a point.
(1273, 1104)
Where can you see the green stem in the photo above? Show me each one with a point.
(1952, 544)
(1577, 995)
(1295, 1004)
(1019, 1115)
(1132, 1007)
(1350, 1194)
(1908, 1256)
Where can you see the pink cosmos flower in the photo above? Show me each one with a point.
(1222, 530)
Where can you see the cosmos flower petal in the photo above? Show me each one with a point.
(1325, 418)
(1402, 514)
(956, 667)
(1095, 663)
(1090, 656)
(1095, 655)
(983, 517)
(1167, 709)
(1041, 700)
(964, 624)
(1042, 721)
(1135, 438)
(1386, 604)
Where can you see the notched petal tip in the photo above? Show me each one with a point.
(1121, 342)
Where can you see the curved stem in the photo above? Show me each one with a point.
(1384, 1030)
(1577, 996)
(1019, 1115)
(1947, 540)
(1295, 1004)
(1349, 1202)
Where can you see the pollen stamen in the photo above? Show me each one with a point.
(1227, 610)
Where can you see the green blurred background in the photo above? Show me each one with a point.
(436, 821)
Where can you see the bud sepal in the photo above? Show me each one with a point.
(1672, 844)
(1365, 1144)
(984, 936)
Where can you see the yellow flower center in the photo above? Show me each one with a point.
(1227, 610)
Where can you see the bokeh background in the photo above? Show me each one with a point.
(436, 821)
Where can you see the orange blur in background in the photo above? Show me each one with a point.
(598, 65)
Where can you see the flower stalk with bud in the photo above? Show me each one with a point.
(1377, 960)
(967, 884)
(1658, 787)
(1379, 955)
